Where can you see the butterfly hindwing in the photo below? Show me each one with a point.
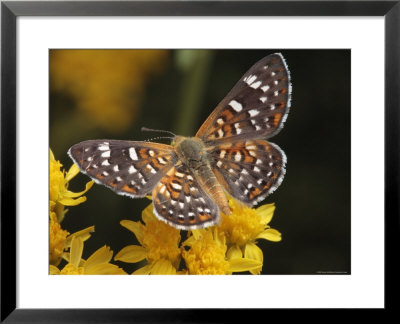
(256, 107)
(249, 170)
(127, 167)
(180, 201)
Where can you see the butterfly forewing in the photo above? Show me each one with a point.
(130, 168)
(180, 201)
(249, 170)
(256, 107)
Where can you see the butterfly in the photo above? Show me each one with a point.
(229, 154)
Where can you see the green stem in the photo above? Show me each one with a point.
(196, 64)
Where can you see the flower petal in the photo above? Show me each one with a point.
(266, 212)
(72, 172)
(163, 267)
(52, 158)
(234, 252)
(270, 234)
(131, 254)
(253, 252)
(196, 233)
(76, 251)
(54, 270)
(71, 201)
(147, 213)
(105, 269)
(70, 194)
(83, 234)
(143, 270)
(243, 264)
(101, 256)
(135, 227)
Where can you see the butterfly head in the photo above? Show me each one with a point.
(191, 151)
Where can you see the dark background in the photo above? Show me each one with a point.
(313, 202)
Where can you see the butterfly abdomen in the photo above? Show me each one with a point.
(209, 183)
(193, 153)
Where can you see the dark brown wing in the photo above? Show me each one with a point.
(256, 107)
(249, 170)
(129, 168)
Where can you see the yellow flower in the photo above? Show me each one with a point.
(207, 254)
(57, 240)
(244, 226)
(60, 240)
(96, 264)
(60, 196)
(107, 85)
(159, 245)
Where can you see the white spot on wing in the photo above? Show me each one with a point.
(265, 88)
(255, 85)
(104, 147)
(116, 168)
(132, 169)
(152, 170)
(105, 163)
(132, 153)
(161, 160)
(263, 99)
(176, 186)
(237, 127)
(253, 112)
(162, 189)
(237, 106)
(250, 79)
(105, 154)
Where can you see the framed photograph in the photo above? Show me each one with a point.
(263, 154)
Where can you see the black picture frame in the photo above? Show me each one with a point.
(11, 10)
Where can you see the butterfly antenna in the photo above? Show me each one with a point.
(156, 138)
(145, 129)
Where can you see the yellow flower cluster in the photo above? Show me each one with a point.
(59, 240)
(107, 85)
(96, 264)
(224, 249)
(60, 196)
(159, 245)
